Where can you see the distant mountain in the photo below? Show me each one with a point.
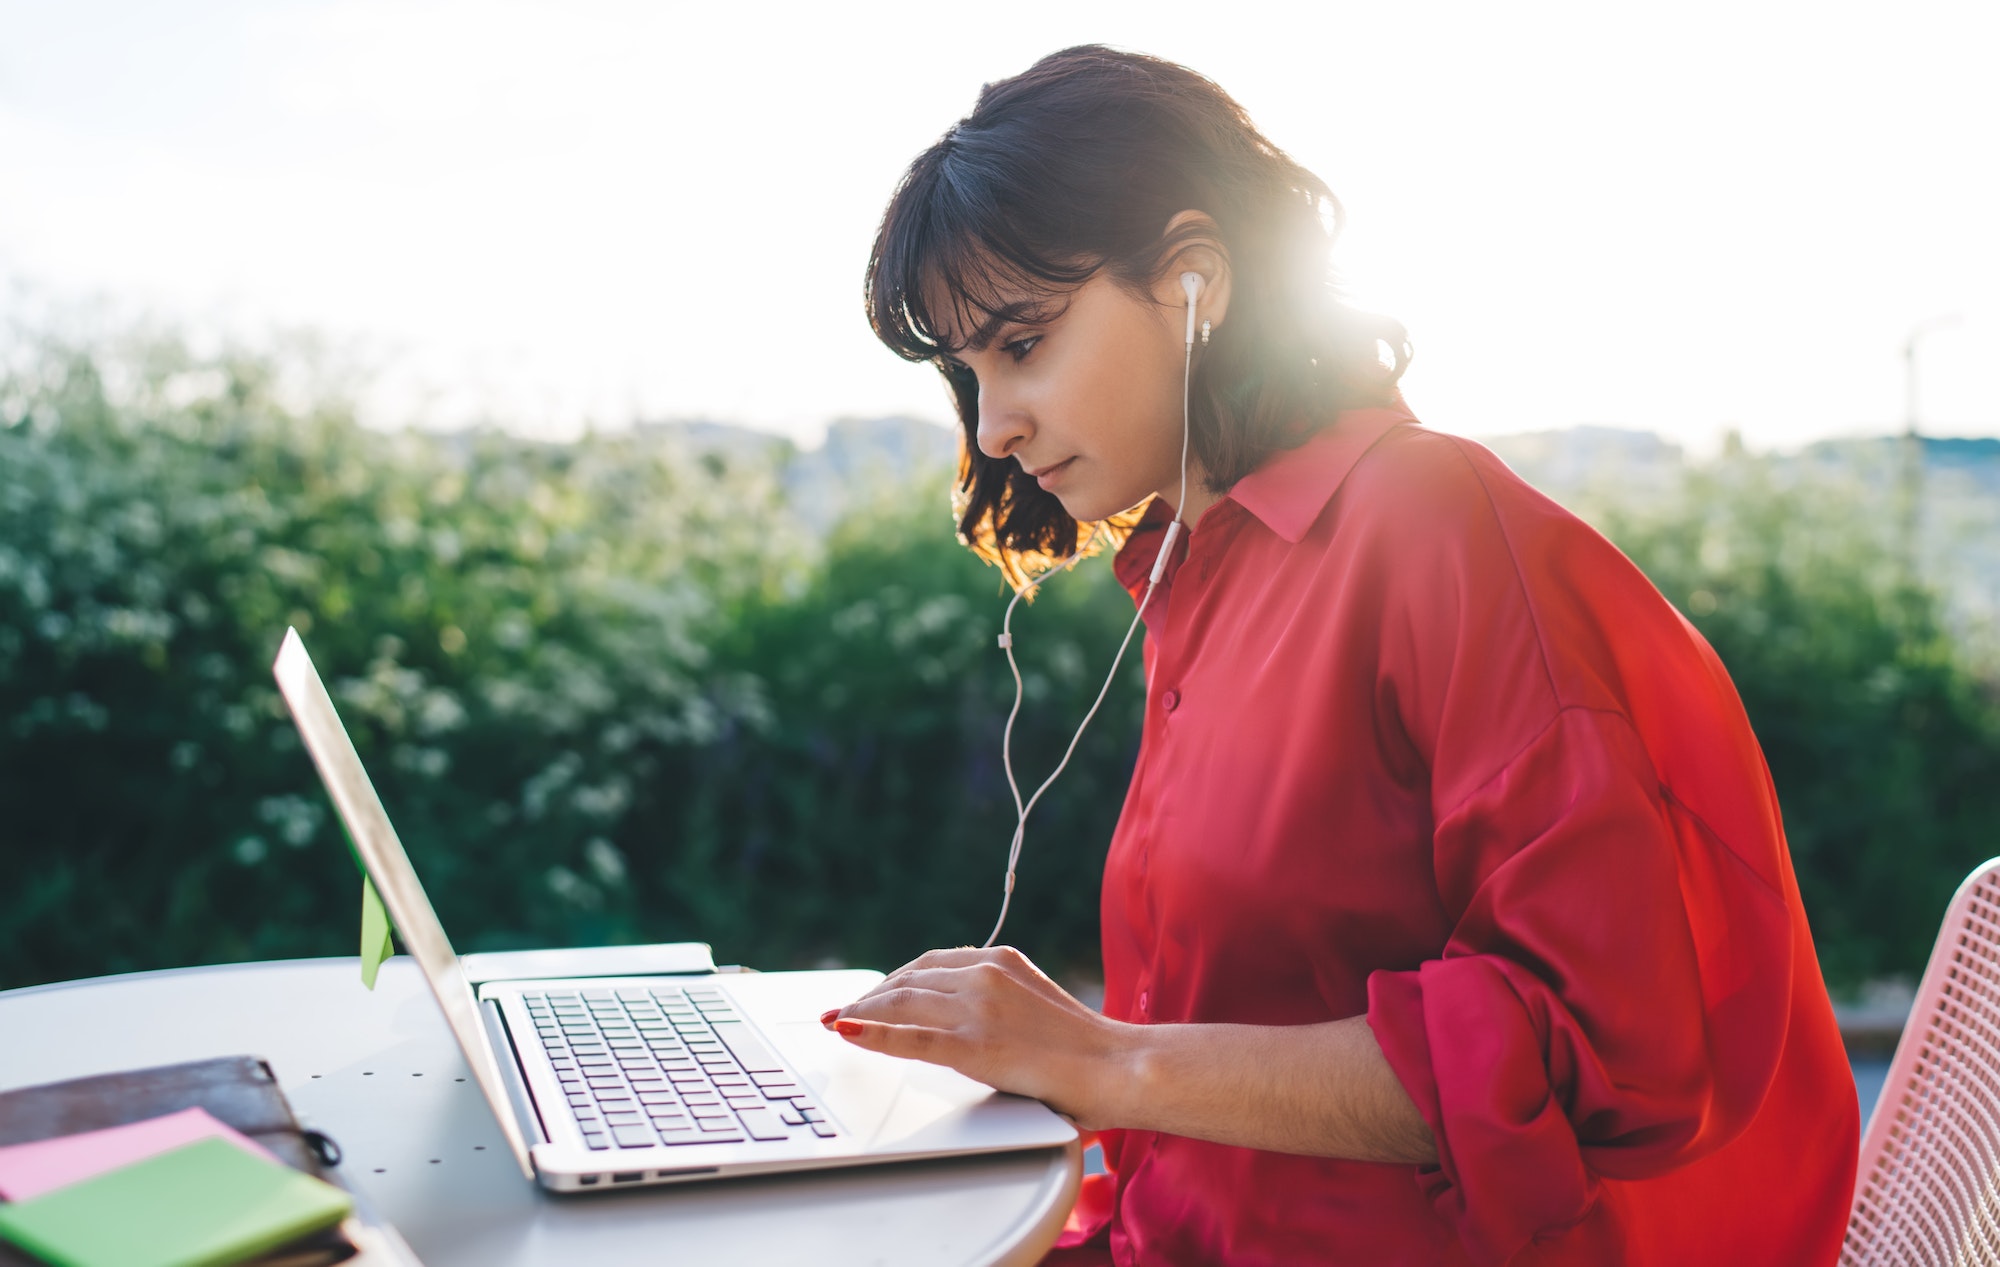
(1959, 518)
(1593, 460)
(1960, 526)
(862, 457)
(859, 458)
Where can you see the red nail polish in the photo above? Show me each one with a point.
(847, 1029)
(826, 1017)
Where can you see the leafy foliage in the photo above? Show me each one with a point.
(617, 690)
(608, 690)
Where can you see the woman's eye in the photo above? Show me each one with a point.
(1020, 348)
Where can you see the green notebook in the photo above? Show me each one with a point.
(202, 1205)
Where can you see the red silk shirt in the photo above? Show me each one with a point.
(1420, 744)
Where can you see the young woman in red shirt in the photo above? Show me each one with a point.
(1449, 917)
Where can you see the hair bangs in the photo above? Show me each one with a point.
(950, 266)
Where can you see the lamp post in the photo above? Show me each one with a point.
(1910, 486)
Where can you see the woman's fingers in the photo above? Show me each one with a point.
(1002, 960)
(912, 1042)
(906, 1005)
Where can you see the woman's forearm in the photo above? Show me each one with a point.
(1322, 1090)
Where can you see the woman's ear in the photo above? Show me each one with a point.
(1194, 245)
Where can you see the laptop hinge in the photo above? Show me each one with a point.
(661, 959)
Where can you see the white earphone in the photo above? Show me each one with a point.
(1191, 285)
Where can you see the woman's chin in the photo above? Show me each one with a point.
(1086, 509)
(1086, 505)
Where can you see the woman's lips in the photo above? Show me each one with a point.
(1050, 473)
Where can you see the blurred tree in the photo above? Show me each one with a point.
(516, 635)
(1881, 730)
(872, 821)
(618, 690)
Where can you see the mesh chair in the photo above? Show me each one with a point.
(1928, 1191)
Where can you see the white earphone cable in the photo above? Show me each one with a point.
(1021, 810)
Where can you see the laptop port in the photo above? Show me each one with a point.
(628, 1176)
(586, 1180)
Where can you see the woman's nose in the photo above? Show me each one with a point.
(1003, 426)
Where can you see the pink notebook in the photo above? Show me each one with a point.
(29, 1170)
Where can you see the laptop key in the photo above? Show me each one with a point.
(823, 1130)
(747, 1047)
(592, 1139)
(633, 1136)
(791, 1116)
(762, 1124)
(781, 1091)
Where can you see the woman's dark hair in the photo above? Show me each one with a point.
(1079, 164)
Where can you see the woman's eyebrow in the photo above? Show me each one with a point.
(1012, 314)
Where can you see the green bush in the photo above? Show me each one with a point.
(608, 690)
(616, 690)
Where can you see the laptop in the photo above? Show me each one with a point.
(599, 1082)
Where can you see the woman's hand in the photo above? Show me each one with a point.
(992, 1015)
(1324, 1090)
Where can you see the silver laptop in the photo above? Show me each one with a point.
(608, 1081)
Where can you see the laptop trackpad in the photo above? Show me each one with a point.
(885, 1104)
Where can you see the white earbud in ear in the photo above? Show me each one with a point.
(1191, 283)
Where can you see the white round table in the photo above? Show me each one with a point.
(379, 1073)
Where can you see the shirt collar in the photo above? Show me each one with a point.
(1293, 485)
(1286, 493)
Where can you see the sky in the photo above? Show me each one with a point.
(1684, 217)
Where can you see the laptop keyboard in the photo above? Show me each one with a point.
(668, 1065)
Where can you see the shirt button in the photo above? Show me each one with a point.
(1171, 700)
(1145, 1001)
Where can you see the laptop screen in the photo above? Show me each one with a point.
(389, 867)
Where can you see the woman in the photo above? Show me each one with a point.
(1449, 917)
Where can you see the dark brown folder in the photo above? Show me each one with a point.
(239, 1091)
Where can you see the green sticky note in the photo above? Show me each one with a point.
(206, 1203)
(375, 944)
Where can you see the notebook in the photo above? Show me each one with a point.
(209, 1202)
